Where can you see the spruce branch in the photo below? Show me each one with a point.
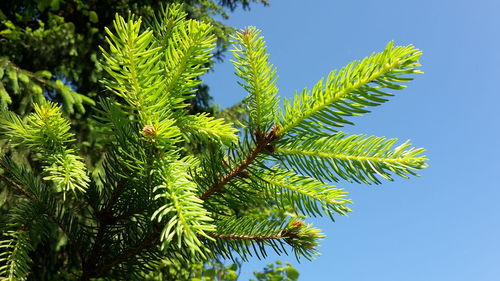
(247, 235)
(207, 128)
(19, 188)
(33, 189)
(47, 132)
(151, 240)
(153, 197)
(186, 54)
(259, 76)
(349, 91)
(14, 256)
(261, 146)
(131, 63)
(181, 210)
(358, 158)
(303, 194)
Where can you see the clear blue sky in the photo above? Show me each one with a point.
(444, 225)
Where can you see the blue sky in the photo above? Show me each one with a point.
(444, 225)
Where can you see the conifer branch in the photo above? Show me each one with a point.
(17, 186)
(259, 78)
(149, 200)
(285, 235)
(205, 127)
(305, 195)
(47, 132)
(26, 193)
(105, 218)
(350, 91)
(14, 258)
(262, 145)
(338, 95)
(149, 241)
(358, 158)
(247, 235)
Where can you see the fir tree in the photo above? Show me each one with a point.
(155, 200)
(51, 47)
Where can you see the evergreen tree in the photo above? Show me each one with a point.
(50, 47)
(156, 203)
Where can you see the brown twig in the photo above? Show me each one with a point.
(105, 218)
(29, 195)
(284, 235)
(32, 197)
(18, 187)
(263, 143)
(149, 241)
(153, 239)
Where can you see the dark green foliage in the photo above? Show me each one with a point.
(14, 252)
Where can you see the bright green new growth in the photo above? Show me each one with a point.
(251, 64)
(183, 209)
(353, 158)
(305, 194)
(45, 131)
(350, 91)
(156, 197)
(156, 80)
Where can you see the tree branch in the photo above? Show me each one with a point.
(284, 235)
(149, 241)
(153, 239)
(32, 197)
(105, 218)
(262, 144)
(18, 187)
